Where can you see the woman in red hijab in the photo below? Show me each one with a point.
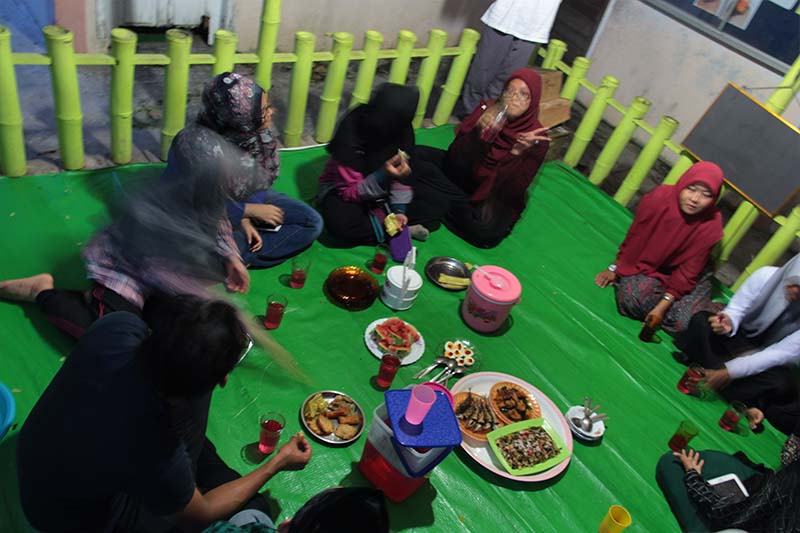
(478, 187)
(660, 271)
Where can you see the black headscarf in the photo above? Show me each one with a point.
(773, 507)
(371, 134)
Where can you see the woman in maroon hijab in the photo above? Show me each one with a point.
(660, 270)
(478, 187)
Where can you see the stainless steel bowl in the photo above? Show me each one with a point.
(328, 396)
(448, 266)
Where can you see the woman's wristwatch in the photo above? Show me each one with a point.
(612, 267)
(668, 297)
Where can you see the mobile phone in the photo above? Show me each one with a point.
(729, 485)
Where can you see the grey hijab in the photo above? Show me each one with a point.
(772, 304)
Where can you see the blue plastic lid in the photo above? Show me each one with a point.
(438, 430)
(7, 410)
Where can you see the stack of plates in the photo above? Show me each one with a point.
(598, 428)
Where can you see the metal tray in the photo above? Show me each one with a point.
(449, 266)
(329, 395)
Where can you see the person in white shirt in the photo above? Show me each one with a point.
(514, 27)
(747, 349)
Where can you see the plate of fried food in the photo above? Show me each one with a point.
(488, 401)
(332, 417)
(512, 403)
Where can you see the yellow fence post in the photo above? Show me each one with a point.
(456, 76)
(619, 140)
(591, 119)
(580, 67)
(740, 221)
(647, 158)
(12, 138)
(176, 86)
(366, 71)
(66, 95)
(267, 37)
(775, 247)
(298, 90)
(405, 45)
(334, 83)
(427, 72)
(224, 51)
(555, 51)
(683, 164)
(123, 48)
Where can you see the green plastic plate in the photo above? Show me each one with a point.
(519, 426)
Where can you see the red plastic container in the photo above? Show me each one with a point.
(396, 486)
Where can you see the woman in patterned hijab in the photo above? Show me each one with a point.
(266, 227)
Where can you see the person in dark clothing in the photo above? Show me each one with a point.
(268, 227)
(210, 216)
(335, 510)
(478, 188)
(126, 417)
(748, 349)
(368, 175)
(167, 239)
(772, 504)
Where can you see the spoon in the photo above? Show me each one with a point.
(493, 279)
(577, 422)
(586, 423)
(451, 364)
(456, 373)
(436, 362)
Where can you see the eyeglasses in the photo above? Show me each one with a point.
(246, 349)
(521, 96)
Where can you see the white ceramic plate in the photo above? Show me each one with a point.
(481, 383)
(598, 428)
(417, 349)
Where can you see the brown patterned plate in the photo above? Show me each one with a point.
(504, 392)
(459, 399)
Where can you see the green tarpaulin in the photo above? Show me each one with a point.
(567, 339)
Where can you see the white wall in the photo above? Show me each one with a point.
(680, 71)
(357, 16)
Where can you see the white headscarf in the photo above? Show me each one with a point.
(771, 303)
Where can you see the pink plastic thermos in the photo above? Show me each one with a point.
(491, 295)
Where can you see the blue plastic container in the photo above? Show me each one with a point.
(7, 410)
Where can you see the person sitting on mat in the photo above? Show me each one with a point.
(176, 236)
(167, 239)
(785, 417)
(366, 177)
(335, 510)
(478, 187)
(662, 270)
(773, 503)
(269, 227)
(126, 418)
(747, 348)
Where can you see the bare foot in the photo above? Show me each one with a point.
(25, 289)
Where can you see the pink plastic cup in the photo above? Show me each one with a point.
(444, 390)
(420, 402)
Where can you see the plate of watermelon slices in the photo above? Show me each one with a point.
(394, 336)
